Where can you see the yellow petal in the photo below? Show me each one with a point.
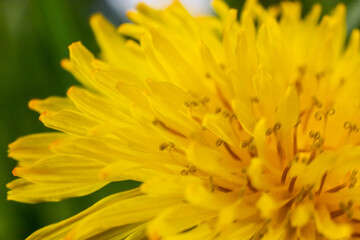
(113, 44)
(53, 104)
(331, 230)
(220, 8)
(68, 121)
(97, 107)
(172, 59)
(260, 138)
(125, 170)
(60, 229)
(22, 190)
(200, 232)
(131, 30)
(80, 63)
(266, 205)
(209, 160)
(204, 197)
(33, 147)
(58, 169)
(268, 91)
(255, 173)
(220, 126)
(173, 186)
(133, 210)
(177, 219)
(287, 113)
(238, 211)
(302, 214)
(245, 115)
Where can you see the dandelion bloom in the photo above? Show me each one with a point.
(237, 128)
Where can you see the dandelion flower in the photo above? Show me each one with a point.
(237, 127)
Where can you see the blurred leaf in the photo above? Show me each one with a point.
(353, 17)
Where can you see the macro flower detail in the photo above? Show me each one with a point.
(237, 128)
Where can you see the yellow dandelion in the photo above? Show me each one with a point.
(237, 128)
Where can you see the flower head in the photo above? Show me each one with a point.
(237, 128)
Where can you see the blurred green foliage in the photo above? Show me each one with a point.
(34, 38)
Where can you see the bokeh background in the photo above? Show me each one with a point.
(34, 35)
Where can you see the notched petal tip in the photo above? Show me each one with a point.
(65, 63)
(42, 115)
(74, 44)
(33, 104)
(18, 171)
(96, 18)
(142, 7)
(70, 90)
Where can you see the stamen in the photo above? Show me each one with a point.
(277, 126)
(254, 100)
(251, 147)
(225, 114)
(319, 115)
(233, 116)
(315, 135)
(246, 143)
(233, 155)
(212, 185)
(352, 128)
(295, 147)
(336, 213)
(289, 203)
(219, 142)
(336, 189)
(274, 129)
(318, 141)
(322, 183)
(163, 146)
(158, 122)
(205, 100)
(284, 174)
(194, 104)
(268, 131)
(302, 70)
(353, 179)
(298, 86)
(315, 103)
(298, 82)
(308, 192)
(280, 151)
(292, 185)
(311, 158)
(324, 115)
(320, 75)
(252, 150)
(191, 104)
(222, 189)
(355, 220)
(355, 235)
(344, 209)
(191, 170)
(250, 186)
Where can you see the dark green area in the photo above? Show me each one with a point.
(34, 35)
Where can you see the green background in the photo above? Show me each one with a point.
(34, 35)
